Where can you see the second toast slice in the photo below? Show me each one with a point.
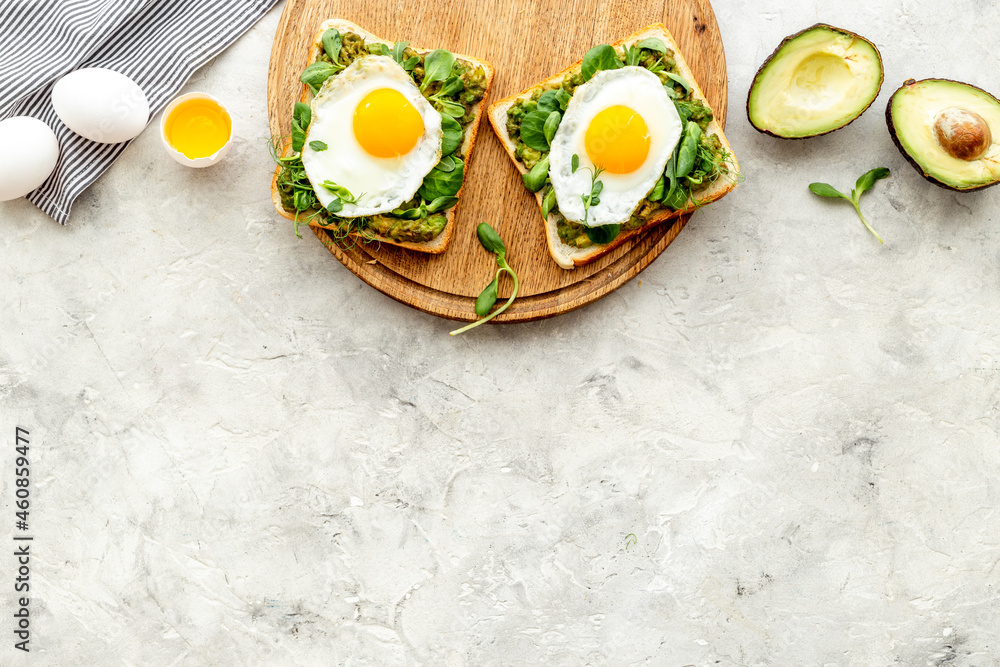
(715, 172)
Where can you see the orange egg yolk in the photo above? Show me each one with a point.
(386, 124)
(617, 140)
(198, 128)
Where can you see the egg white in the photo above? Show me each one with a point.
(380, 184)
(640, 90)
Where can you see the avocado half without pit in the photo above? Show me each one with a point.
(948, 131)
(816, 81)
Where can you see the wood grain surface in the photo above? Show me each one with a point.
(526, 42)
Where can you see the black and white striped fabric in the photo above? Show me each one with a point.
(157, 43)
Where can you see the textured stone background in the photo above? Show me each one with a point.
(244, 455)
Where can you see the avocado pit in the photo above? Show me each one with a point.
(962, 134)
(946, 130)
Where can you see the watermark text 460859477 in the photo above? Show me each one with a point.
(22, 541)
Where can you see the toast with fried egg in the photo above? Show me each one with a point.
(317, 216)
(569, 242)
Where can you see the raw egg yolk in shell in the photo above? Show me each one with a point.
(617, 140)
(386, 124)
(198, 128)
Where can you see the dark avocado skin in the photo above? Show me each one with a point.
(899, 144)
(760, 70)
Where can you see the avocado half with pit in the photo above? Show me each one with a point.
(816, 81)
(949, 131)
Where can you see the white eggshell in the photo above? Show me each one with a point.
(101, 105)
(29, 154)
(197, 162)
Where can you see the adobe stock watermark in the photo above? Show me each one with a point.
(22, 541)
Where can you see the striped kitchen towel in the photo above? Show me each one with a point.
(157, 43)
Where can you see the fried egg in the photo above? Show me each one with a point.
(623, 122)
(381, 137)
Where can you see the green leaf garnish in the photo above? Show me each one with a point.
(441, 183)
(302, 114)
(331, 44)
(301, 117)
(449, 89)
(437, 67)
(863, 185)
(452, 109)
(398, 49)
(317, 145)
(656, 194)
(596, 187)
(492, 242)
(548, 203)
(535, 179)
(317, 73)
(676, 78)
(688, 149)
(603, 234)
(599, 58)
(553, 100)
(452, 135)
(341, 196)
(447, 164)
(653, 44)
(488, 297)
(440, 204)
(824, 190)
(551, 125)
(533, 130)
(453, 86)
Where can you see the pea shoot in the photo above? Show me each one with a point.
(490, 240)
(863, 185)
(596, 187)
(341, 196)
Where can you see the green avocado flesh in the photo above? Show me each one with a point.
(817, 81)
(934, 120)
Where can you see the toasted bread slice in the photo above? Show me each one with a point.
(440, 242)
(569, 257)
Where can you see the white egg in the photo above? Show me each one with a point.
(623, 121)
(381, 136)
(101, 105)
(30, 153)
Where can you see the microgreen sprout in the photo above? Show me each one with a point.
(490, 240)
(596, 187)
(342, 196)
(863, 185)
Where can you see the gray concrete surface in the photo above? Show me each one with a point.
(779, 446)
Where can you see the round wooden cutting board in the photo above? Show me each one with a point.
(526, 42)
